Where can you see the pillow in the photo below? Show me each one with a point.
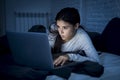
(111, 36)
(95, 37)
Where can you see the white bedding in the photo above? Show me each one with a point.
(111, 65)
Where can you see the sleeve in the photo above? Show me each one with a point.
(51, 38)
(89, 49)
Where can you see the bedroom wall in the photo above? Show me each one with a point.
(95, 14)
(99, 12)
(24, 6)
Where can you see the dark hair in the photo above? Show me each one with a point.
(37, 28)
(70, 15)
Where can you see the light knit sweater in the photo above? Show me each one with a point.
(81, 41)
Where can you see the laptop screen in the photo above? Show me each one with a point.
(31, 49)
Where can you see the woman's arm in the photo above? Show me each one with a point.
(52, 38)
(89, 49)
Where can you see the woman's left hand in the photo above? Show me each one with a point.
(61, 60)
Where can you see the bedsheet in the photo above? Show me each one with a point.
(111, 65)
(110, 62)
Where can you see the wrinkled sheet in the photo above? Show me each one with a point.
(110, 62)
(111, 65)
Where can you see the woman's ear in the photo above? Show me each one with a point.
(77, 25)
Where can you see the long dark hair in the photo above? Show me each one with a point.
(70, 15)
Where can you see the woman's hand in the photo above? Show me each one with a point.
(61, 60)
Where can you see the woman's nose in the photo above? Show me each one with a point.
(61, 31)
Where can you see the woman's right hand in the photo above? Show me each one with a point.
(61, 60)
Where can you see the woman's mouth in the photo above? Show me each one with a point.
(63, 37)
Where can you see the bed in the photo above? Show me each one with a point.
(107, 43)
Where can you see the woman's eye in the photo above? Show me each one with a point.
(65, 27)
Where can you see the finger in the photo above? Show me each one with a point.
(57, 61)
(63, 62)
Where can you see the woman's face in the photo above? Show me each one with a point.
(66, 30)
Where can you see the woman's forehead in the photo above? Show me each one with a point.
(63, 23)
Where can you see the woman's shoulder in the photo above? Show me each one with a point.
(82, 34)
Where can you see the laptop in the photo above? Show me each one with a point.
(31, 49)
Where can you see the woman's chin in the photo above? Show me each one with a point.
(63, 39)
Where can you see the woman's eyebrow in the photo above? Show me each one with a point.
(57, 26)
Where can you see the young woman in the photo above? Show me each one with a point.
(71, 37)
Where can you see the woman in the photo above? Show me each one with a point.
(71, 37)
